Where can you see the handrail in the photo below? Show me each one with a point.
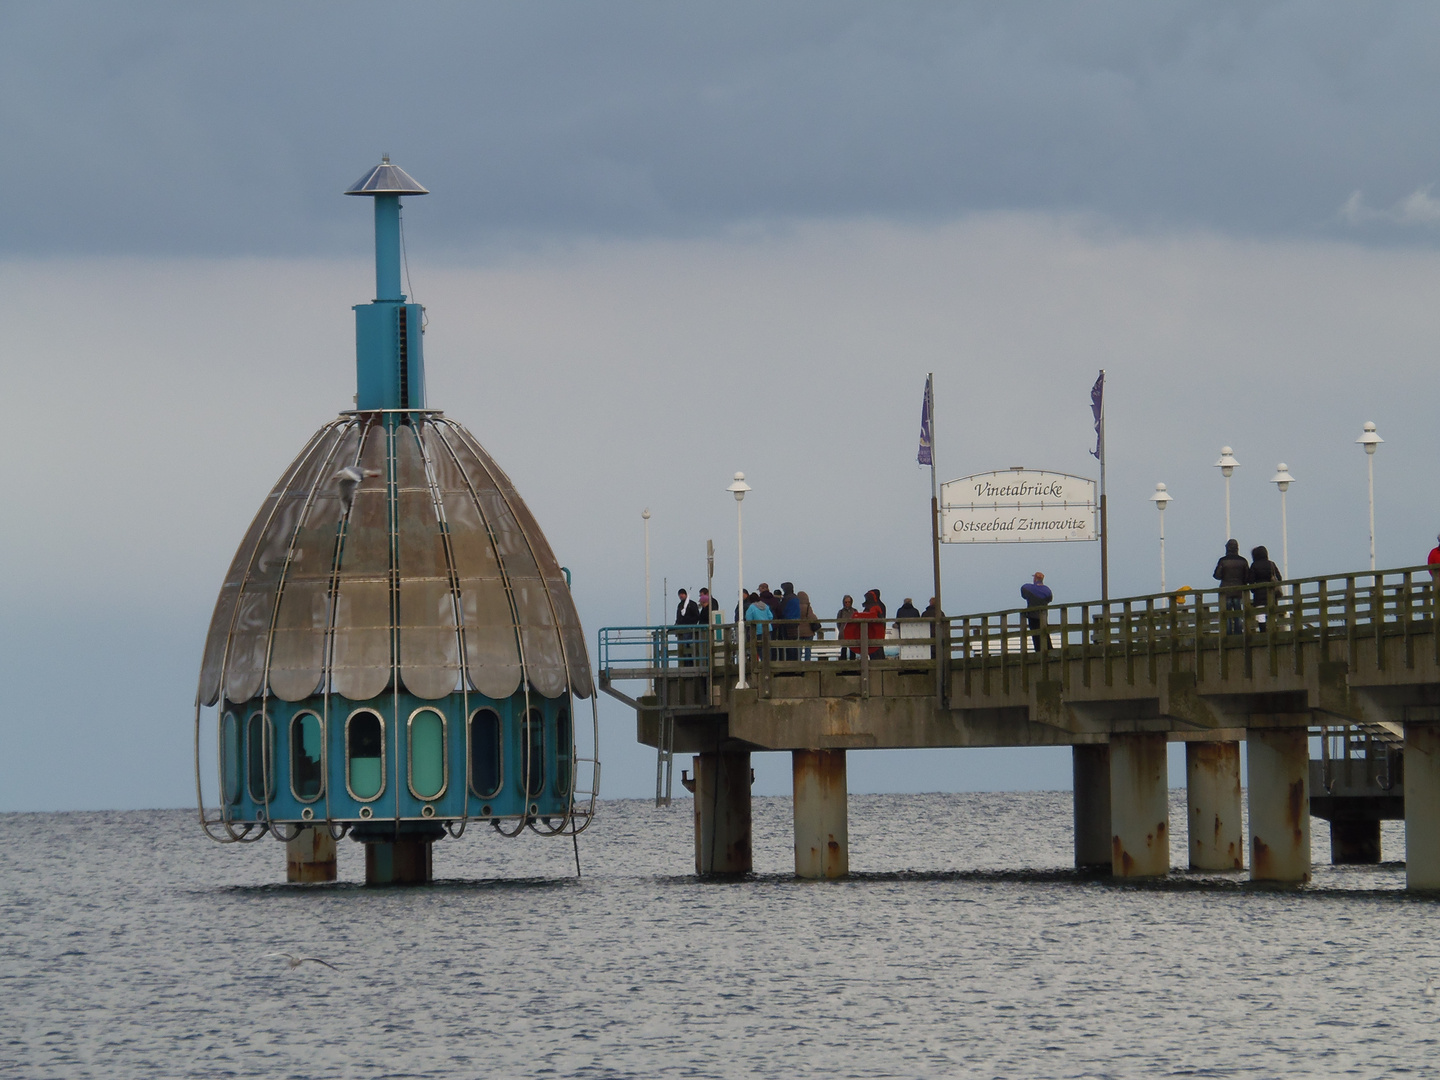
(1112, 639)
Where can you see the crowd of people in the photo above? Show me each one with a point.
(789, 616)
(786, 614)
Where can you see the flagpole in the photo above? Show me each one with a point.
(1104, 522)
(940, 649)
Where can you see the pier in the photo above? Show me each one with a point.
(1349, 662)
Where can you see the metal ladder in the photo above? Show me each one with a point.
(665, 758)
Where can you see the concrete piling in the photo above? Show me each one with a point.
(1279, 782)
(722, 814)
(1422, 806)
(822, 831)
(310, 857)
(1212, 782)
(1090, 764)
(1139, 806)
(1355, 842)
(406, 861)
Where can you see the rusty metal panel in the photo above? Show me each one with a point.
(492, 652)
(361, 663)
(222, 618)
(429, 646)
(553, 647)
(297, 650)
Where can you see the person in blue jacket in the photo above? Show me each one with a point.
(1037, 596)
(757, 614)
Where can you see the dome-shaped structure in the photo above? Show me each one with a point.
(394, 650)
(393, 555)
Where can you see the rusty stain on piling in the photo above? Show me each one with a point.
(1296, 807)
(1260, 858)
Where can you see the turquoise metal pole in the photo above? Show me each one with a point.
(387, 248)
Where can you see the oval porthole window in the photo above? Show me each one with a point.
(365, 755)
(307, 757)
(535, 759)
(232, 758)
(485, 753)
(427, 754)
(260, 750)
(564, 753)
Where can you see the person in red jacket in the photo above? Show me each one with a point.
(873, 619)
(1434, 560)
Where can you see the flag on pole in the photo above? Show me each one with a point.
(926, 455)
(1097, 406)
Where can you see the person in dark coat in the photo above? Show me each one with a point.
(1265, 573)
(1037, 597)
(842, 618)
(934, 614)
(1233, 573)
(687, 613)
(907, 610)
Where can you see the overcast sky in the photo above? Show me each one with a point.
(667, 242)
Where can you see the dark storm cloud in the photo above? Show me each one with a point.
(183, 128)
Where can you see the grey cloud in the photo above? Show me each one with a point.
(207, 129)
(1419, 208)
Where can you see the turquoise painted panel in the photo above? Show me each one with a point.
(232, 759)
(483, 772)
(389, 356)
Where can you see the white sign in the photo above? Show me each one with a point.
(1017, 506)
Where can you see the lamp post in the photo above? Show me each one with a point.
(646, 515)
(1282, 480)
(738, 489)
(1160, 498)
(1227, 466)
(1370, 441)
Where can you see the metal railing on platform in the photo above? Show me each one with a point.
(1231, 628)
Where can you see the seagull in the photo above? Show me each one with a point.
(294, 961)
(348, 479)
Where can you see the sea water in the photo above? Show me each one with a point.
(963, 944)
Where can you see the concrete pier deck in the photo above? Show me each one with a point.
(1353, 654)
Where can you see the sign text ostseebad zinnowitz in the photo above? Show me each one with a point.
(1017, 506)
